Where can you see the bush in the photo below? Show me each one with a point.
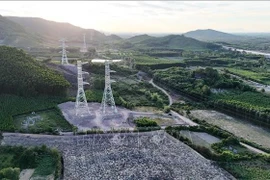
(10, 173)
(167, 109)
(145, 122)
(28, 159)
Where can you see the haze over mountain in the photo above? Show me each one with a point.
(139, 38)
(38, 32)
(212, 35)
(170, 42)
(14, 34)
(29, 31)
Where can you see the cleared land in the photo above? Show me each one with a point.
(238, 127)
(200, 138)
(88, 122)
(151, 155)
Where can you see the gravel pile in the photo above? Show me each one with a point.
(144, 156)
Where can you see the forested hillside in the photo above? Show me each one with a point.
(212, 35)
(175, 42)
(22, 75)
(14, 34)
(51, 31)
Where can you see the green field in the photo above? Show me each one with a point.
(44, 121)
(144, 59)
(12, 105)
(261, 77)
(254, 100)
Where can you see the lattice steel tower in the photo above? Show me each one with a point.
(64, 52)
(81, 105)
(84, 48)
(108, 104)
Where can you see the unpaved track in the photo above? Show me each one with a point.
(174, 114)
(163, 90)
(191, 123)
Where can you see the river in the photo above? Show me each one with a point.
(267, 55)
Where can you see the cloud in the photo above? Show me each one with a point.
(122, 4)
(6, 11)
(159, 6)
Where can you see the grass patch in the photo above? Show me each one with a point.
(246, 170)
(46, 121)
(128, 93)
(46, 166)
(12, 105)
(164, 121)
(144, 59)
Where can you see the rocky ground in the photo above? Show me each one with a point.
(151, 155)
(94, 119)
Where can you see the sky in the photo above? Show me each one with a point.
(149, 16)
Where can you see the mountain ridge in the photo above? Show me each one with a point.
(211, 35)
(50, 32)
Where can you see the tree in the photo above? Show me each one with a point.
(91, 53)
(10, 173)
(75, 130)
(206, 90)
(167, 109)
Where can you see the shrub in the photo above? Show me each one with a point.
(28, 159)
(145, 122)
(10, 173)
(167, 109)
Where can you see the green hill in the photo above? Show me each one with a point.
(176, 42)
(212, 35)
(13, 34)
(22, 75)
(139, 38)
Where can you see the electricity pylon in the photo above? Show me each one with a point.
(84, 48)
(108, 104)
(64, 52)
(81, 105)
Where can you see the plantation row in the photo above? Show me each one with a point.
(238, 99)
(198, 81)
(263, 78)
(253, 106)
